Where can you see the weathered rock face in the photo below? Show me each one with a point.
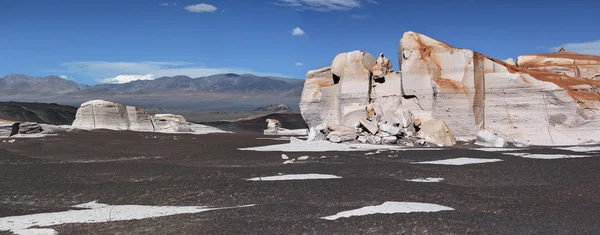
(472, 92)
(100, 114)
(358, 98)
(567, 63)
(170, 123)
(546, 99)
(10, 128)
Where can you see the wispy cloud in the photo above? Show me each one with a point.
(299, 64)
(201, 8)
(164, 4)
(360, 17)
(590, 48)
(297, 31)
(122, 72)
(323, 5)
(126, 78)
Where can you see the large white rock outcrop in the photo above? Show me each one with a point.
(531, 103)
(546, 99)
(100, 114)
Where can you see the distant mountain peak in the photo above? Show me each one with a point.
(274, 108)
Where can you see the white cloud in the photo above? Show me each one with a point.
(121, 72)
(590, 48)
(201, 8)
(164, 4)
(323, 5)
(126, 78)
(297, 31)
(299, 64)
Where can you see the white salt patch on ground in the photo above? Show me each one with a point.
(284, 157)
(390, 208)
(295, 177)
(303, 158)
(496, 149)
(320, 146)
(582, 148)
(460, 161)
(93, 213)
(278, 138)
(426, 180)
(289, 161)
(546, 156)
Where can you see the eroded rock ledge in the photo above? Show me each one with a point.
(443, 93)
(100, 114)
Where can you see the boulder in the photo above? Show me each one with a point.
(273, 124)
(390, 129)
(369, 126)
(170, 123)
(317, 133)
(489, 139)
(30, 128)
(342, 136)
(389, 140)
(437, 132)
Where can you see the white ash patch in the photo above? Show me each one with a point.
(426, 180)
(582, 148)
(295, 177)
(547, 156)
(460, 161)
(320, 146)
(93, 212)
(390, 208)
(496, 149)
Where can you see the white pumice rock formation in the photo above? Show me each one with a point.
(19, 129)
(530, 103)
(100, 114)
(274, 128)
(443, 93)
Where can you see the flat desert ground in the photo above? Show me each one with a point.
(410, 191)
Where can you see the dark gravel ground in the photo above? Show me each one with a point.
(514, 196)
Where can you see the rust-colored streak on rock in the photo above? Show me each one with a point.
(563, 81)
(479, 98)
(451, 84)
(319, 84)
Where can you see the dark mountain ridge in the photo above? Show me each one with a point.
(221, 91)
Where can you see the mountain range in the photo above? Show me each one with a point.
(216, 92)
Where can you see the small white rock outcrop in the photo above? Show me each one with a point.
(100, 114)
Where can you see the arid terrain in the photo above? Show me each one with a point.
(517, 195)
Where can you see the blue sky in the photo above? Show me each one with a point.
(112, 41)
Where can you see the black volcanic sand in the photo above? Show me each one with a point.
(258, 124)
(515, 196)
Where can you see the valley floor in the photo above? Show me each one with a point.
(509, 194)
